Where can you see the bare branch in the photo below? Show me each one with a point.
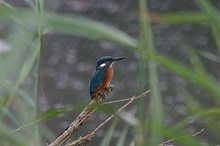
(82, 117)
(172, 140)
(89, 136)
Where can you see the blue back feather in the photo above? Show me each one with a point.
(97, 79)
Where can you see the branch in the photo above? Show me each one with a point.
(82, 117)
(172, 140)
(89, 136)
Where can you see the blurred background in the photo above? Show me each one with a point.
(49, 49)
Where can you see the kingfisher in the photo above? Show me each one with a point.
(102, 75)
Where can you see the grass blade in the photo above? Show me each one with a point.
(122, 138)
(75, 25)
(147, 47)
(108, 136)
(179, 18)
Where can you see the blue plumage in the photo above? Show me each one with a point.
(103, 60)
(96, 80)
(102, 75)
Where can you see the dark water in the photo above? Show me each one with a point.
(68, 61)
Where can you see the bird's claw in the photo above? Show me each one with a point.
(103, 93)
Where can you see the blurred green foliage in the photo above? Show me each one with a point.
(18, 102)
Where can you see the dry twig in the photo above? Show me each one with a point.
(89, 136)
(85, 114)
(172, 140)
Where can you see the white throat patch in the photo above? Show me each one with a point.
(111, 64)
(102, 65)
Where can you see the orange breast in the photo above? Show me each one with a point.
(106, 82)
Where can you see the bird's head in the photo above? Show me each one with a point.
(107, 61)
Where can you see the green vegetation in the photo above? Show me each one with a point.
(21, 56)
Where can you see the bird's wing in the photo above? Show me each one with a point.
(97, 79)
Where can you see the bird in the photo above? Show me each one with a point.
(102, 74)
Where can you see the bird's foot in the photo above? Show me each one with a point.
(103, 93)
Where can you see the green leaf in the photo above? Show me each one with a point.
(202, 79)
(212, 57)
(108, 136)
(28, 64)
(129, 118)
(7, 139)
(200, 113)
(122, 138)
(51, 113)
(211, 13)
(73, 24)
(179, 18)
(147, 48)
(213, 112)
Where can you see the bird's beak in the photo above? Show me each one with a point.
(118, 58)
